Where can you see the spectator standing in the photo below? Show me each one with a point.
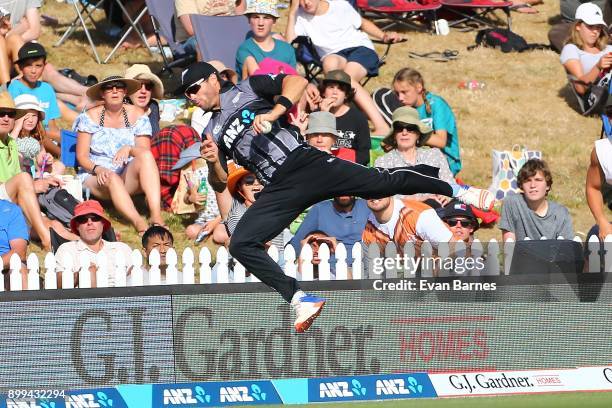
(531, 214)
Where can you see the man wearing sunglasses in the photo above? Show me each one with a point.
(89, 223)
(295, 175)
(460, 219)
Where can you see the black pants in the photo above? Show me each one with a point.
(307, 177)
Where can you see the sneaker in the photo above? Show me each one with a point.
(307, 309)
(477, 197)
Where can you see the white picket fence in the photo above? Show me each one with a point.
(498, 260)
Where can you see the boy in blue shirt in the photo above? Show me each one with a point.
(31, 62)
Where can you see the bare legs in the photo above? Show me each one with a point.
(141, 175)
(20, 189)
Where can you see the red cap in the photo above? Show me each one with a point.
(89, 207)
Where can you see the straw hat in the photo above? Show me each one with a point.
(94, 92)
(407, 115)
(7, 103)
(143, 72)
(29, 102)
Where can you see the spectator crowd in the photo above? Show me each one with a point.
(123, 150)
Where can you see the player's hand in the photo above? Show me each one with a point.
(266, 117)
(209, 150)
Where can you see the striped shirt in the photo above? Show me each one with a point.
(231, 127)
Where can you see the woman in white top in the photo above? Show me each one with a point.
(598, 174)
(586, 56)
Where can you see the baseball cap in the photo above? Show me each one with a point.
(457, 209)
(591, 14)
(31, 50)
(195, 72)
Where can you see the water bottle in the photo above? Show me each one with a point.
(472, 85)
(203, 187)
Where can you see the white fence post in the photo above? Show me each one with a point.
(50, 275)
(306, 263)
(594, 256)
(427, 253)
(341, 264)
(492, 263)
(33, 276)
(357, 266)
(324, 266)
(608, 256)
(391, 253)
(154, 269)
(1, 275)
(15, 272)
(204, 258)
(171, 268)
(290, 265)
(221, 267)
(239, 273)
(136, 273)
(508, 253)
(188, 270)
(410, 253)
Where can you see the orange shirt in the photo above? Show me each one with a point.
(412, 221)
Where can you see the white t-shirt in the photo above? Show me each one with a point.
(587, 60)
(334, 31)
(603, 149)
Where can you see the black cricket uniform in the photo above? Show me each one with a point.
(294, 174)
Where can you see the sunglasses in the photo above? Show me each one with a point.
(147, 85)
(10, 114)
(400, 127)
(464, 223)
(193, 89)
(110, 86)
(249, 180)
(89, 217)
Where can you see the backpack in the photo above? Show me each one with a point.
(504, 39)
(58, 204)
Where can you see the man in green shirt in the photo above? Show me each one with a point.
(15, 185)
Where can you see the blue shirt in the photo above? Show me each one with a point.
(346, 227)
(282, 52)
(442, 118)
(12, 225)
(43, 92)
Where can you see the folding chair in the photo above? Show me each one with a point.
(415, 14)
(308, 57)
(133, 26)
(84, 13)
(164, 24)
(475, 14)
(219, 37)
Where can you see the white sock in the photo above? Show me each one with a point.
(296, 297)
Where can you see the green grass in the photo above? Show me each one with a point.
(598, 399)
